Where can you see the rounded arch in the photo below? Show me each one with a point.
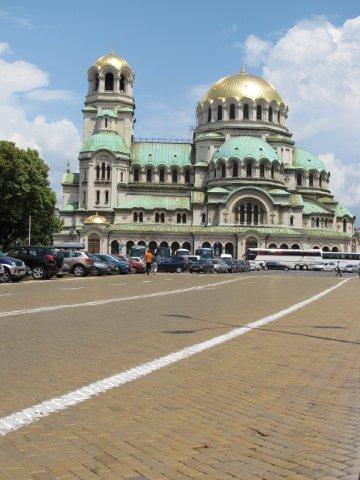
(295, 246)
(153, 246)
(335, 249)
(187, 246)
(325, 248)
(129, 244)
(115, 247)
(316, 247)
(109, 81)
(232, 111)
(218, 248)
(94, 243)
(206, 245)
(229, 248)
(174, 246)
(251, 242)
(272, 245)
(164, 244)
(142, 243)
(284, 246)
(250, 211)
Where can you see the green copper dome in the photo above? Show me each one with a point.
(104, 141)
(246, 147)
(307, 160)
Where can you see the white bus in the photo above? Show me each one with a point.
(294, 259)
(342, 258)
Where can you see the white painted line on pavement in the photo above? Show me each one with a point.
(146, 281)
(71, 288)
(113, 300)
(117, 284)
(5, 294)
(29, 415)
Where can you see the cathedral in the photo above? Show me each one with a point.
(241, 181)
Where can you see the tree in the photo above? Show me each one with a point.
(25, 191)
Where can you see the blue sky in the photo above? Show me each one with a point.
(176, 50)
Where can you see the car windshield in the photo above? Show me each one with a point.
(2, 254)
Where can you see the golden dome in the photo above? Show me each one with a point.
(242, 85)
(96, 220)
(112, 60)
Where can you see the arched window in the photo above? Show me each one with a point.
(103, 170)
(183, 218)
(136, 174)
(272, 171)
(152, 246)
(295, 246)
(232, 111)
(326, 249)
(235, 169)
(142, 243)
(246, 111)
(141, 217)
(174, 246)
(164, 244)
(106, 122)
(135, 217)
(96, 82)
(161, 175)
(97, 172)
(209, 114)
(149, 175)
(316, 247)
(223, 171)
(108, 170)
(320, 181)
(272, 245)
(122, 83)
(206, 245)
(162, 217)
(258, 112)
(121, 176)
(187, 246)
(284, 246)
(109, 81)
(251, 242)
(298, 179)
(279, 116)
(129, 244)
(335, 249)
(317, 222)
(84, 175)
(249, 169)
(311, 180)
(106, 196)
(174, 175)
(262, 170)
(157, 217)
(187, 176)
(219, 112)
(249, 212)
(93, 243)
(97, 196)
(115, 247)
(344, 225)
(229, 248)
(292, 220)
(178, 218)
(270, 114)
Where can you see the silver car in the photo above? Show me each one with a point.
(219, 266)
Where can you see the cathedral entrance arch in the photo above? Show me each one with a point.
(129, 244)
(251, 242)
(94, 243)
(114, 247)
(174, 246)
(206, 245)
(229, 249)
(187, 246)
(164, 244)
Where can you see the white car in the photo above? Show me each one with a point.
(325, 267)
(219, 266)
(349, 268)
(254, 266)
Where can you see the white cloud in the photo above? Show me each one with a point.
(196, 92)
(315, 66)
(57, 141)
(42, 95)
(4, 48)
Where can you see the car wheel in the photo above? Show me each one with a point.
(5, 277)
(178, 270)
(38, 272)
(79, 271)
(286, 269)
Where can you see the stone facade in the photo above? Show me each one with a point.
(240, 181)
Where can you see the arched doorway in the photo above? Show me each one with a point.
(114, 247)
(174, 246)
(153, 246)
(335, 249)
(284, 246)
(229, 249)
(251, 242)
(164, 244)
(295, 246)
(94, 243)
(141, 242)
(326, 249)
(187, 246)
(272, 245)
(129, 244)
(217, 249)
(206, 245)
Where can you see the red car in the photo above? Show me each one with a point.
(136, 264)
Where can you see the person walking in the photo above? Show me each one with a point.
(149, 258)
(338, 270)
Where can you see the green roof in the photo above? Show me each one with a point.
(106, 112)
(201, 164)
(342, 211)
(246, 147)
(71, 207)
(307, 161)
(152, 202)
(278, 191)
(218, 190)
(296, 200)
(313, 207)
(152, 153)
(104, 141)
(70, 178)
(320, 232)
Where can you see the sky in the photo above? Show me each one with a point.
(309, 50)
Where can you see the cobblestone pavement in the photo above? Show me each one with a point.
(279, 402)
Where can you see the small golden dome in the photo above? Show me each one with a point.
(113, 60)
(96, 220)
(242, 85)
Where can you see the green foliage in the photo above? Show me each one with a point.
(24, 191)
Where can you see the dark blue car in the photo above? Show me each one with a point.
(171, 264)
(123, 267)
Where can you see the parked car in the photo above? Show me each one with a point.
(325, 267)
(101, 268)
(219, 266)
(232, 264)
(43, 262)
(346, 268)
(11, 269)
(243, 265)
(137, 265)
(254, 267)
(203, 265)
(118, 266)
(80, 263)
(171, 264)
(276, 266)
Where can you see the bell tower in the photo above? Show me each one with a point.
(109, 103)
